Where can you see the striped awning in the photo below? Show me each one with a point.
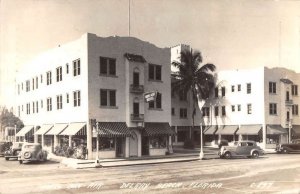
(276, 130)
(249, 129)
(57, 129)
(44, 129)
(296, 129)
(112, 129)
(75, 129)
(25, 130)
(227, 130)
(157, 129)
(211, 130)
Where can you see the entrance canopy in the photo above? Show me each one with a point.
(75, 129)
(249, 129)
(296, 129)
(57, 129)
(158, 129)
(276, 130)
(25, 130)
(227, 130)
(112, 129)
(44, 129)
(211, 130)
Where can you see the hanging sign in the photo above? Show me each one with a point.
(150, 96)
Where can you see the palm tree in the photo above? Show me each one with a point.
(193, 77)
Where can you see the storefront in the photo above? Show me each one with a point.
(45, 141)
(250, 132)
(210, 137)
(227, 132)
(295, 132)
(52, 135)
(276, 135)
(26, 134)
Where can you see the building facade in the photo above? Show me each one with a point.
(93, 88)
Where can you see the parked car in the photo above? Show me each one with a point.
(293, 147)
(241, 148)
(32, 152)
(14, 150)
(4, 146)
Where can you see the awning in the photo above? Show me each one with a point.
(211, 130)
(296, 129)
(44, 129)
(25, 130)
(249, 129)
(183, 128)
(57, 129)
(157, 129)
(113, 129)
(74, 129)
(227, 129)
(276, 130)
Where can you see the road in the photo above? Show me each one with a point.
(273, 173)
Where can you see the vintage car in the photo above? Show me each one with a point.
(4, 146)
(14, 150)
(241, 148)
(293, 147)
(32, 152)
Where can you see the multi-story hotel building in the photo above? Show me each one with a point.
(61, 91)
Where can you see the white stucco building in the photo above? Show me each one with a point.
(63, 90)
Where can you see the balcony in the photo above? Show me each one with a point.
(289, 102)
(137, 117)
(136, 88)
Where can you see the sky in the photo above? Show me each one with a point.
(232, 34)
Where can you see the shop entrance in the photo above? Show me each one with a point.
(119, 147)
(145, 146)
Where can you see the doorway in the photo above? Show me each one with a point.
(145, 146)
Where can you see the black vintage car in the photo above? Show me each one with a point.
(4, 146)
(293, 147)
(14, 151)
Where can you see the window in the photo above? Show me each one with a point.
(36, 82)
(32, 83)
(59, 102)
(19, 111)
(239, 107)
(295, 90)
(232, 88)
(33, 107)
(182, 96)
(58, 74)
(232, 108)
(76, 67)
(41, 103)
(157, 103)
(273, 108)
(49, 78)
(28, 108)
(272, 87)
(49, 104)
(27, 86)
(18, 89)
(22, 107)
(205, 111)
(295, 109)
(249, 109)
(76, 96)
(223, 111)
(67, 68)
(183, 113)
(223, 91)
(154, 72)
(239, 87)
(248, 88)
(173, 111)
(216, 111)
(41, 78)
(107, 66)
(107, 98)
(216, 92)
(37, 106)
(67, 97)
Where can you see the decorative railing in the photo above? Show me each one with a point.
(137, 117)
(136, 88)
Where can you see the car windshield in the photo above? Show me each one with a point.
(30, 146)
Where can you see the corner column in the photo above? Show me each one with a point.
(89, 136)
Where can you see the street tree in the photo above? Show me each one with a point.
(7, 118)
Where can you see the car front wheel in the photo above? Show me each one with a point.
(285, 151)
(255, 154)
(227, 155)
(20, 161)
(6, 158)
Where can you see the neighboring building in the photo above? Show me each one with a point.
(64, 89)
(259, 104)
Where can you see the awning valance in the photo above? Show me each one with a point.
(296, 129)
(112, 129)
(276, 130)
(25, 130)
(57, 129)
(75, 129)
(44, 129)
(157, 129)
(249, 129)
(227, 130)
(211, 130)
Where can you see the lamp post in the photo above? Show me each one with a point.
(201, 156)
(290, 126)
(15, 133)
(96, 130)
